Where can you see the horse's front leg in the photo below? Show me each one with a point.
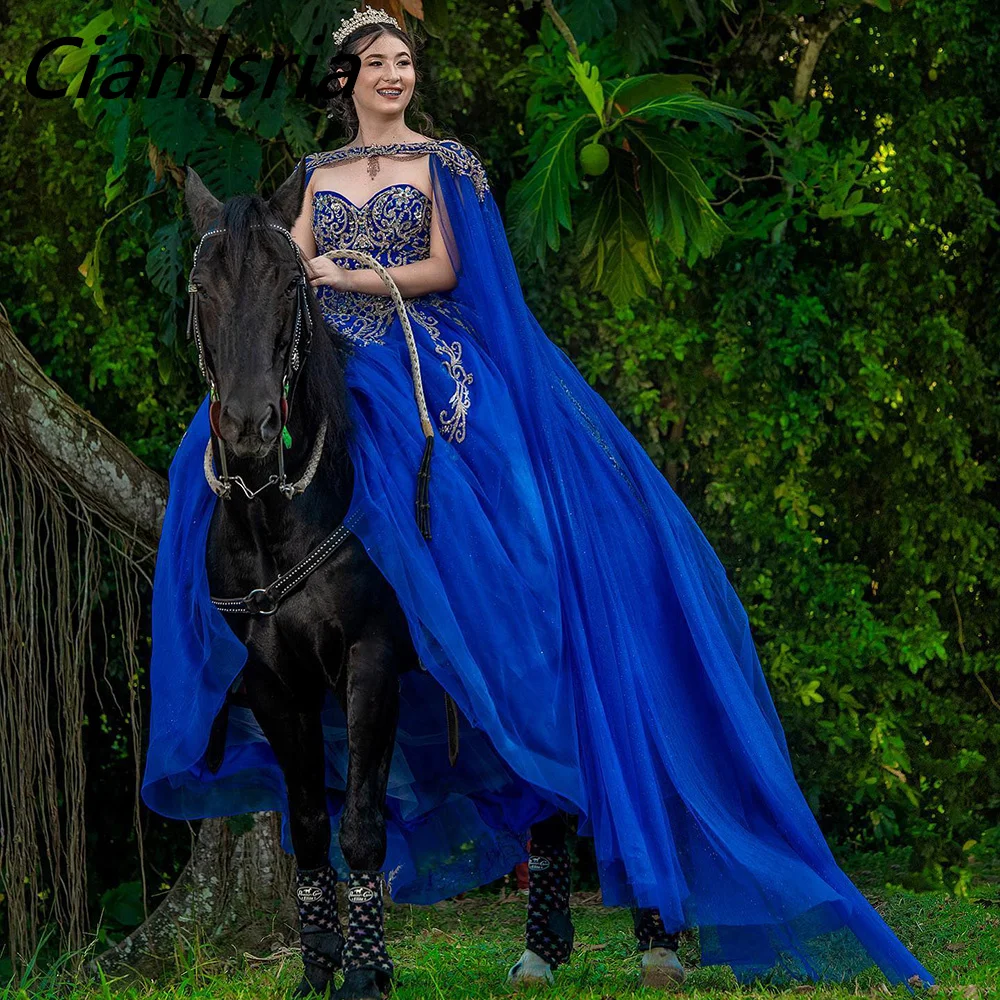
(549, 930)
(372, 713)
(290, 719)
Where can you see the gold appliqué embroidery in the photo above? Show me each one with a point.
(394, 226)
(453, 424)
(456, 157)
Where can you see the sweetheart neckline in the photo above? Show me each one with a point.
(368, 201)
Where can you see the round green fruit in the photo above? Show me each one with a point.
(594, 159)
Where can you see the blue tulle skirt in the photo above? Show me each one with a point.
(600, 658)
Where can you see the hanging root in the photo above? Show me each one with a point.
(59, 547)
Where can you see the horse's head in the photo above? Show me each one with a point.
(247, 286)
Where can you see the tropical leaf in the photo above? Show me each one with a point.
(540, 203)
(590, 19)
(210, 13)
(264, 115)
(229, 165)
(165, 258)
(436, 17)
(75, 60)
(613, 238)
(675, 198)
(173, 124)
(307, 20)
(640, 89)
(298, 128)
(587, 77)
(692, 107)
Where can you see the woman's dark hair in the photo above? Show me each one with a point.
(342, 108)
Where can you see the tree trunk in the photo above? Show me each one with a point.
(237, 889)
(236, 894)
(124, 491)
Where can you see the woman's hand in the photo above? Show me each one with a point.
(322, 271)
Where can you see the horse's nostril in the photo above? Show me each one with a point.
(269, 425)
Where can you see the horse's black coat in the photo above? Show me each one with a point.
(343, 628)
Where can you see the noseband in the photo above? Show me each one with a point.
(297, 352)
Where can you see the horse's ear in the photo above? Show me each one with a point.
(203, 207)
(286, 202)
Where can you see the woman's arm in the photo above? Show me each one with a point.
(433, 274)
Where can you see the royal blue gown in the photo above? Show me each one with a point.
(567, 601)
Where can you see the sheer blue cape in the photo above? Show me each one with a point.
(571, 606)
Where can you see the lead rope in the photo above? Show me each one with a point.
(424, 473)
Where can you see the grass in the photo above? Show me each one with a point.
(463, 948)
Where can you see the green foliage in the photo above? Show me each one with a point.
(797, 316)
(620, 224)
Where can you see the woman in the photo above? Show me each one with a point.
(566, 600)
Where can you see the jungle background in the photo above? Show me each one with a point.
(782, 282)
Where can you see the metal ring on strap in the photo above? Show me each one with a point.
(265, 600)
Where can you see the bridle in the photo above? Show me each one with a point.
(298, 351)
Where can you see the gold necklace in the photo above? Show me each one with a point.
(373, 163)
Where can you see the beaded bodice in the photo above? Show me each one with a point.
(393, 225)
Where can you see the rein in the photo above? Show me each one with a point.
(222, 486)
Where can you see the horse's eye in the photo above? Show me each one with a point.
(292, 286)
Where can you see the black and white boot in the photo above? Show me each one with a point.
(319, 929)
(549, 932)
(367, 966)
(661, 968)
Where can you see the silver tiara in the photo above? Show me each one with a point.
(370, 15)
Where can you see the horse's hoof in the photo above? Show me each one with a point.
(661, 969)
(364, 984)
(529, 970)
(318, 986)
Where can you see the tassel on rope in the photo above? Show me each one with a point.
(423, 486)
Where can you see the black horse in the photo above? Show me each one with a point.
(329, 619)
(342, 627)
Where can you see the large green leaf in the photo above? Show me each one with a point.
(307, 20)
(640, 89)
(676, 199)
(210, 13)
(173, 123)
(229, 165)
(590, 19)
(165, 259)
(298, 128)
(263, 115)
(540, 203)
(613, 238)
(692, 107)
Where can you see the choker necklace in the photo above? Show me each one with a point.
(373, 164)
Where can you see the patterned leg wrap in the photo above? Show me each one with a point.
(365, 946)
(550, 930)
(319, 926)
(650, 932)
